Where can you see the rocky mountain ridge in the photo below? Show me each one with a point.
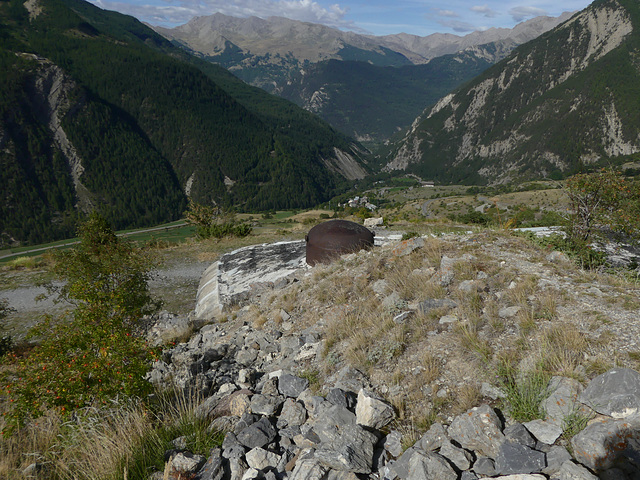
(308, 42)
(556, 103)
(364, 86)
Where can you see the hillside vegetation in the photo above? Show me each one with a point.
(560, 103)
(98, 111)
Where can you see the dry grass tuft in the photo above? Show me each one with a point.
(562, 349)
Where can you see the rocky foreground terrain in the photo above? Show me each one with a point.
(452, 357)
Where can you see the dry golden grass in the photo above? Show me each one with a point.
(562, 349)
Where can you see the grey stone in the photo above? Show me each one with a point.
(292, 386)
(223, 424)
(557, 257)
(562, 400)
(231, 448)
(185, 462)
(446, 273)
(261, 459)
(257, 434)
(372, 411)
(251, 474)
(336, 475)
(509, 312)
(308, 469)
(229, 280)
(237, 468)
(267, 405)
(478, 430)
(168, 328)
(490, 391)
(400, 467)
(518, 433)
(393, 443)
(405, 247)
(246, 356)
(213, 469)
(293, 414)
(338, 396)
(515, 458)
(270, 386)
(608, 443)
(433, 438)
(468, 286)
(239, 403)
(430, 466)
(555, 458)
(380, 286)
(330, 425)
(351, 450)
(485, 466)
(615, 393)
(572, 471)
(545, 432)
(468, 475)
(457, 456)
(402, 317)
(428, 305)
(447, 319)
(350, 379)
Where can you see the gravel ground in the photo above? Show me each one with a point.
(176, 284)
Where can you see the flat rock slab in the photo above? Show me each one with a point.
(615, 393)
(231, 279)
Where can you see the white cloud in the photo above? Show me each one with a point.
(521, 13)
(485, 11)
(182, 11)
(458, 26)
(447, 13)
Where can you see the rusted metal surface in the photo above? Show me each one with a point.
(331, 239)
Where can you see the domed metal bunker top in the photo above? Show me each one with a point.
(329, 240)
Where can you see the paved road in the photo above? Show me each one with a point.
(66, 244)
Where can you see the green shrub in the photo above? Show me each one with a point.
(94, 353)
(603, 201)
(524, 391)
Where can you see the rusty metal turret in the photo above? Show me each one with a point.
(329, 240)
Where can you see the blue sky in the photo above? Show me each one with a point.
(377, 17)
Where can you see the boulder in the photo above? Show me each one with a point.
(292, 386)
(514, 457)
(429, 466)
(262, 459)
(352, 450)
(608, 443)
(372, 411)
(562, 400)
(615, 393)
(257, 434)
(479, 430)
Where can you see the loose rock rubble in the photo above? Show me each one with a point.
(278, 427)
(257, 384)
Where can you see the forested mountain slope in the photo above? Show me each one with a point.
(566, 100)
(99, 111)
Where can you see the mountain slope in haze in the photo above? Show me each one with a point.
(95, 114)
(373, 103)
(565, 100)
(300, 62)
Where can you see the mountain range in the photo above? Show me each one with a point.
(97, 111)
(564, 102)
(367, 87)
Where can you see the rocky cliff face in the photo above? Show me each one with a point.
(52, 100)
(554, 103)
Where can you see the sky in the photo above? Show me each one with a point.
(376, 17)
